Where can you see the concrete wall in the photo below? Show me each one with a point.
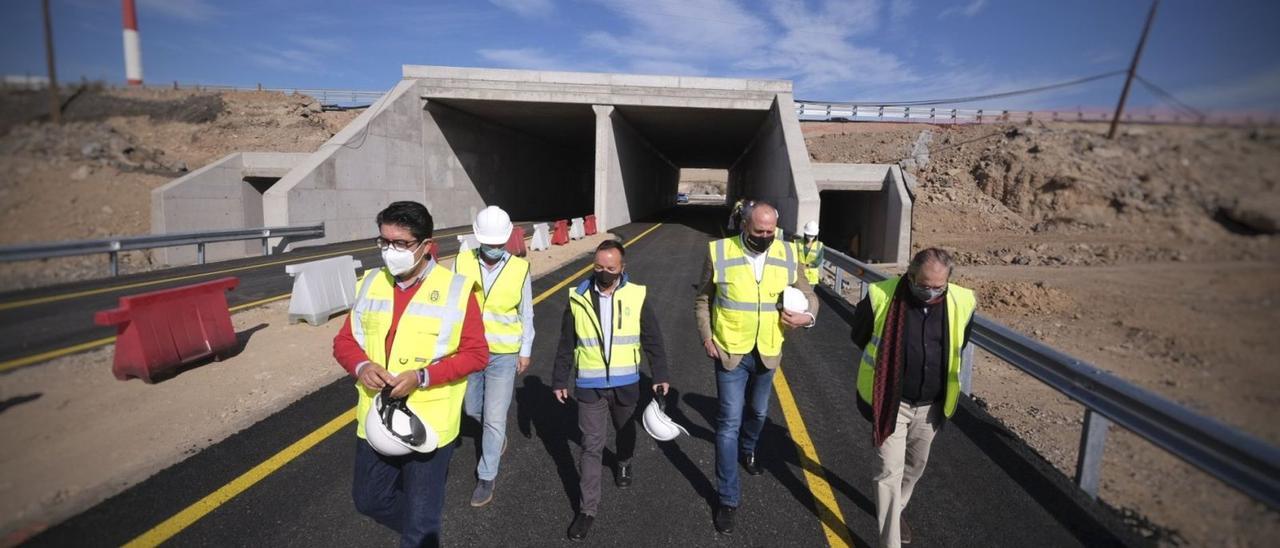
(225, 194)
(472, 162)
(866, 211)
(633, 179)
(775, 168)
(377, 159)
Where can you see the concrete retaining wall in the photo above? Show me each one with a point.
(775, 168)
(633, 179)
(866, 211)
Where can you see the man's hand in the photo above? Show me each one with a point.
(661, 388)
(561, 394)
(404, 383)
(374, 376)
(710, 346)
(522, 364)
(792, 320)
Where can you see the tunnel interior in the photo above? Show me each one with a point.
(853, 222)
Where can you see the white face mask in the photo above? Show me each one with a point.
(399, 262)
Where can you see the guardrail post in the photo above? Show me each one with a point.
(115, 263)
(1093, 439)
(931, 112)
(200, 253)
(839, 281)
(966, 369)
(266, 249)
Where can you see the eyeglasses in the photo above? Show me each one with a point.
(398, 245)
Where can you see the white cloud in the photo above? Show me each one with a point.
(968, 10)
(196, 11)
(527, 58)
(527, 8)
(1260, 90)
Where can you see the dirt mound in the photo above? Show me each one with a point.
(94, 144)
(1025, 298)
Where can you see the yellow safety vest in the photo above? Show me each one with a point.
(618, 365)
(809, 258)
(501, 303)
(429, 329)
(745, 313)
(960, 307)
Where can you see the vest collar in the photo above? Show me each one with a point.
(588, 283)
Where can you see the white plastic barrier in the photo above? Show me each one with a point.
(541, 237)
(322, 288)
(577, 229)
(467, 242)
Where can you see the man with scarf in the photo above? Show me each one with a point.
(912, 330)
(741, 324)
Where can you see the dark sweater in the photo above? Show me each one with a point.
(650, 341)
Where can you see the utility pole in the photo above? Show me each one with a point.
(55, 105)
(1133, 69)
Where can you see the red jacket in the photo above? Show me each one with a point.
(472, 354)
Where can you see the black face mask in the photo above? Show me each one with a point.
(605, 279)
(758, 244)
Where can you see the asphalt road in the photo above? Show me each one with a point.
(983, 487)
(46, 320)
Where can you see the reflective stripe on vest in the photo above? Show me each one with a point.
(744, 314)
(429, 329)
(622, 365)
(961, 304)
(501, 303)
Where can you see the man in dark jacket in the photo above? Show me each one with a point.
(606, 325)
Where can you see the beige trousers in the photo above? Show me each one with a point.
(901, 460)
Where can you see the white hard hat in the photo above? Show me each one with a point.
(811, 228)
(658, 424)
(392, 429)
(794, 301)
(492, 226)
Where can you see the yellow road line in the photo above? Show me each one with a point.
(36, 358)
(87, 292)
(189, 515)
(824, 500)
(172, 526)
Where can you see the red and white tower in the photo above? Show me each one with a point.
(132, 46)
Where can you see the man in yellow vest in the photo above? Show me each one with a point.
(741, 324)
(507, 302)
(415, 327)
(607, 324)
(912, 331)
(811, 252)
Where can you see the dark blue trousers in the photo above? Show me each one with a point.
(405, 494)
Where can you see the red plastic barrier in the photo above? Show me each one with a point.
(560, 234)
(162, 330)
(589, 224)
(515, 244)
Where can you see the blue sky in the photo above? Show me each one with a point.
(1219, 55)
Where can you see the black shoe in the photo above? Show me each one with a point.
(723, 519)
(580, 526)
(623, 480)
(904, 530)
(749, 463)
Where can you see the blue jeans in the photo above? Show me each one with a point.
(487, 401)
(404, 494)
(752, 379)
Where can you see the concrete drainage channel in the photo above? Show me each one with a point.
(550, 145)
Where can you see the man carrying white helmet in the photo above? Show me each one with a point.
(811, 251)
(414, 383)
(507, 302)
(606, 325)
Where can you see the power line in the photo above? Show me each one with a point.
(972, 98)
(1158, 91)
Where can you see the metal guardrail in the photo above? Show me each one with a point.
(834, 111)
(113, 246)
(1240, 460)
(328, 97)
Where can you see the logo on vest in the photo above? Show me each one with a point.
(435, 296)
(404, 361)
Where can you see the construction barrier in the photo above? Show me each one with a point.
(561, 234)
(576, 229)
(589, 224)
(159, 331)
(541, 237)
(515, 244)
(322, 288)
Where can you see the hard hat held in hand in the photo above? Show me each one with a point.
(392, 429)
(794, 301)
(811, 228)
(492, 226)
(658, 424)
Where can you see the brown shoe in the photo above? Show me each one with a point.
(904, 530)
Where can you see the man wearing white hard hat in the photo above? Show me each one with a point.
(507, 302)
(742, 326)
(409, 387)
(811, 251)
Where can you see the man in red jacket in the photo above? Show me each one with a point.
(443, 342)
